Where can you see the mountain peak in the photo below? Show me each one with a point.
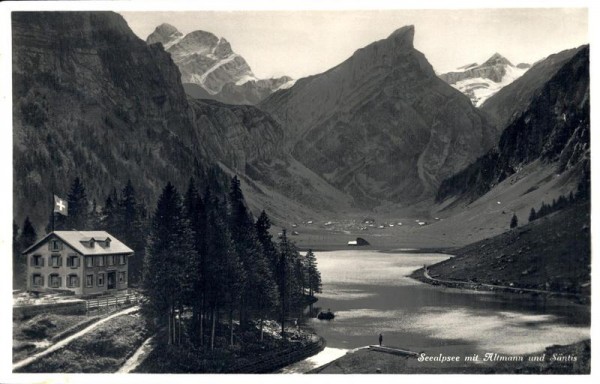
(404, 36)
(166, 28)
(199, 34)
(163, 34)
(497, 59)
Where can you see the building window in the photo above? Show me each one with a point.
(110, 260)
(100, 261)
(54, 281)
(101, 279)
(37, 280)
(89, 261)
(73, 281)
(122, 277)
(73, 261)
(37, 261)
(55, 245)
(55, 261)
(89, 280)
(122, 259)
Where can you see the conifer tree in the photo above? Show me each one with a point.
(78, 215)
(26, 239)
(285, 275)
(262, 225)
(314, 276)
(168, 261)
(224, 275)
(514, 222)
(95, 216)
(28, 234)
(108, 217)
(130, 228)
(532, 215)
(196, 214)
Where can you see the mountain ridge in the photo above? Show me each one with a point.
(553, 128)
(380, 100)
(481, 81)
(209, 62)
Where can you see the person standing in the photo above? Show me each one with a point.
(380, 339)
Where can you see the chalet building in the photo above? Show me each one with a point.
(83, 262)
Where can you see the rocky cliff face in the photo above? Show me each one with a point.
(553, 128)
(381, 126)
(238, 136)
(480, 82)
(209, 63)
(248, 142)
(90, 99)
(248, 93)
(510, 101)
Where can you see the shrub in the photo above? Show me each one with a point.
(514, 222)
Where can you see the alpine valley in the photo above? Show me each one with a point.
(489, 164)
(380, 132)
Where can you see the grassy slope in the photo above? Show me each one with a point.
(37, 331)
(461, 223)
(104, 349)
(551, 253)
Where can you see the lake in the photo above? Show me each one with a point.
(370, 293)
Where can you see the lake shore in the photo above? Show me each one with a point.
(549, 256)
(568, 359)
(247, 356)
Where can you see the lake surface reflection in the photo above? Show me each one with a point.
(370, 293)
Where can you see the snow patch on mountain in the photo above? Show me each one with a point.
(246, 79)
(217, 65)
(209, 62)
(172, 41)
(286, 85)
(480, 89)
(480, 82)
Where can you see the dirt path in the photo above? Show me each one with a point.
(469, 284)
(66, 341)
(139, 356)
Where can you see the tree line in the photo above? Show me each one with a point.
(582, 194)
(207, 257)
(200, 254)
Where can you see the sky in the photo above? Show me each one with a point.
(302, 43)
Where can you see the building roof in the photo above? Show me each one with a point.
(80, 242)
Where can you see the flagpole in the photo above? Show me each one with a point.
(52, 210)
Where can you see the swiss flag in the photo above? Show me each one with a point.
(61, 206)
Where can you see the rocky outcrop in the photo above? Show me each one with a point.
(509, 102)
(381, 126)
(164, 34)
(554, 128)
(494, 69)
(480, 82)
(210, 64)
(249, 93)
(90, 99)
(237, 136)
(248, 142)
